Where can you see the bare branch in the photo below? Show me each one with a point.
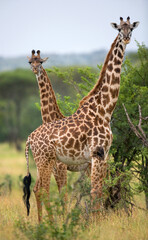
(145, 118)
(140, 122)
(131, 124)
(140, 116)
(141, 135)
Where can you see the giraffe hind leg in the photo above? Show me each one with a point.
(38, 196)
(60, 174)
(41, 189)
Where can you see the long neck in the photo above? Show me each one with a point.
(49, 108)
(105, 92)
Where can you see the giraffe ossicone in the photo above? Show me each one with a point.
(84, 137)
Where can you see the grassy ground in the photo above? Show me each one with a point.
(111, 226)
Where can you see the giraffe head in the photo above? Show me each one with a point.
(36, 62)
(125, 29)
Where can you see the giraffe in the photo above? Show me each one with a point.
(51, 112)
(85, 136)
(49, 109)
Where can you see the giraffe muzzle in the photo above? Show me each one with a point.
(126, 40)
(35, 71)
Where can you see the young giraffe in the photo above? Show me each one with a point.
(86, 135)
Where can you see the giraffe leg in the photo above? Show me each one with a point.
(41, 188)
(37, 192)
(60, 174)
(48, 169)
(98, 173)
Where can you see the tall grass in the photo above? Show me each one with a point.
(14, 224)
(119, 226)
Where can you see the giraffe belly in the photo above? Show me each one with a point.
(76, 158)
(78, 168)
(71, 160)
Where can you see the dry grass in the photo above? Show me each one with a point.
(113, 226)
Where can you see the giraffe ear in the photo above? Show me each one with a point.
(134, 25)
(44, 59)
(114, 25)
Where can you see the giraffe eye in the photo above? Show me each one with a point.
(29, 62)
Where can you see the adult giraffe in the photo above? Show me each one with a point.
(86, 135)
(50, 112)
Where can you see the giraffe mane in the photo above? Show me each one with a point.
(101, 77)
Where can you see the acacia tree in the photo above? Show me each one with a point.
(141, 170)
(127, 150)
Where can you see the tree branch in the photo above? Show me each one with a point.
(141, 135)
(140, 122)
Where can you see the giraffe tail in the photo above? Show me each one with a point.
(27, 180)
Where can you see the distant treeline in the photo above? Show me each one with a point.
(80, 59)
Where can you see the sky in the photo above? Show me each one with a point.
(67, 26)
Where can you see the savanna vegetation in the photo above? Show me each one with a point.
(123, 214)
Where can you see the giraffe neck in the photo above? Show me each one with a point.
(49, 108)
(105, 92)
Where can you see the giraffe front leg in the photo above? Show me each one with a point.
(98, 172)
